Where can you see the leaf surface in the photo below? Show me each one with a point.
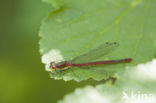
(74, 27)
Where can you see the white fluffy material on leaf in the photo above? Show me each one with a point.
(53, 55)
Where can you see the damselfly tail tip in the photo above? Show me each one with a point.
(129, 59)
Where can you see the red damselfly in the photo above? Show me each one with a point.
(87, 58)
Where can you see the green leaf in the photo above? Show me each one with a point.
(75, 27)
(134, 86)
(56, 4)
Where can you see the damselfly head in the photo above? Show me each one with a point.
(52, 65)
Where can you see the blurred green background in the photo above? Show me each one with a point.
(22, 75)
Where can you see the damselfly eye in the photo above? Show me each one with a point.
(52, 65)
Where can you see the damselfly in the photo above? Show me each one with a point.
(86, 58)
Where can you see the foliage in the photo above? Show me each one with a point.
(135, 85)
(74, 27)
